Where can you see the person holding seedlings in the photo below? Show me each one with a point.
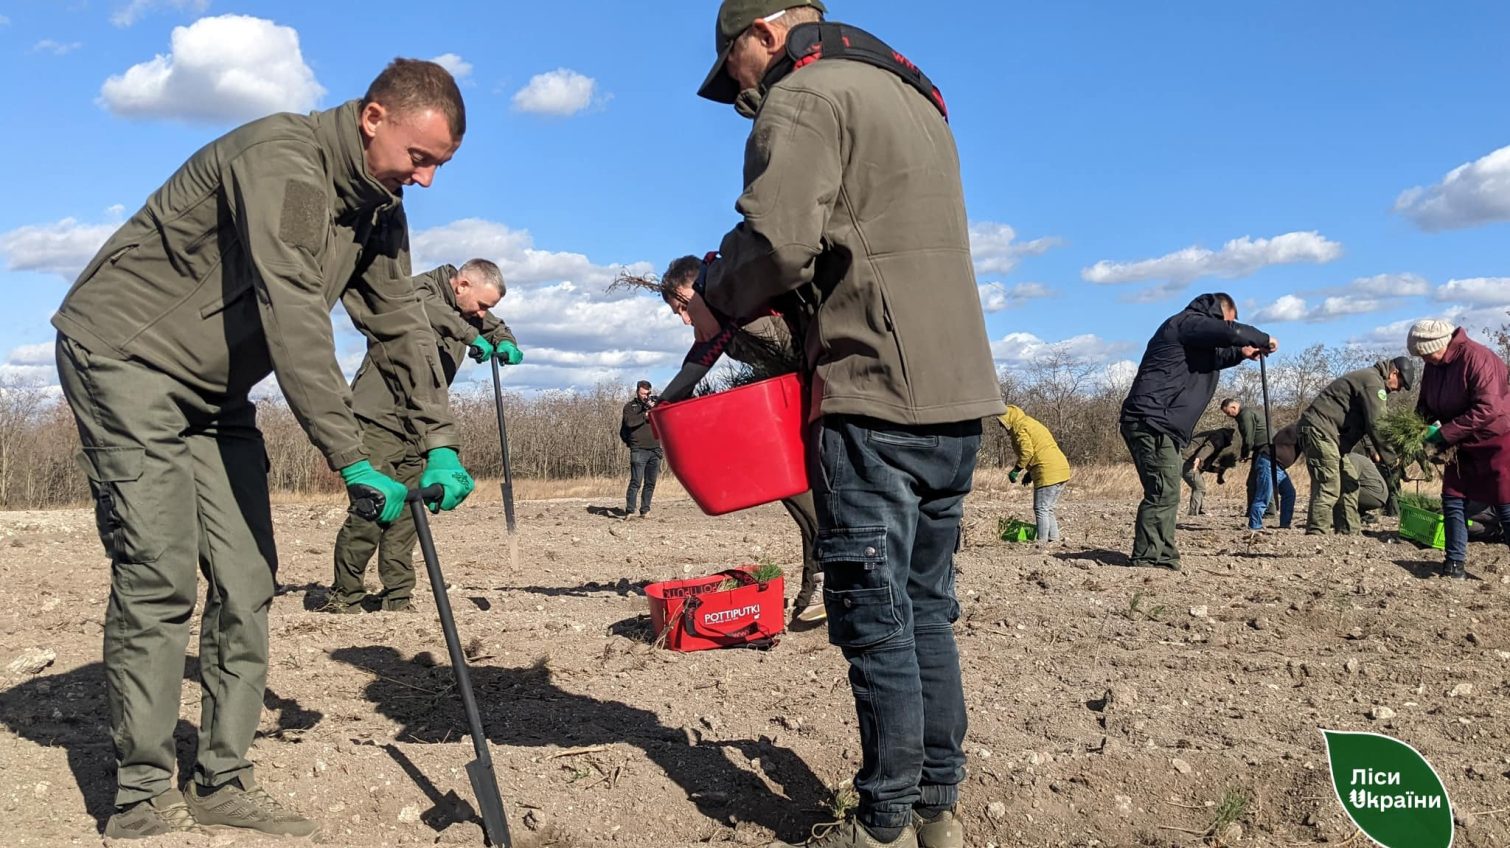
(1348, 410)
(765, 346)
(1206, 454)
(1465, 397)
(1040, 462)
(644, 450)
(458, 304)
(1253, 445)
(228, 274)
(1176, 380)
(853, 219)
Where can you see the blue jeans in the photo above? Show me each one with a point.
(889, 501)
(1455, 526)
(1263, 489)
(1045, 498)
(644, 465)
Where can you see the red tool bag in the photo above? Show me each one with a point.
(695, 614)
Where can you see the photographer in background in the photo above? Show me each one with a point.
(644, 449)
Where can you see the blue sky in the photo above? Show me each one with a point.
(1118, 158)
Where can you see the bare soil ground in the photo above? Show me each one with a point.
(1108, 705)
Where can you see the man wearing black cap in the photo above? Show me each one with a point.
(1345, 412)
(854, 227)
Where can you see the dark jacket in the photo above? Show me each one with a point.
(1252, 433)
(230, 270)
(637, 423)
(852, 195)
(1181, 366)
(372, 397)
(1350, 407)
(1211, 447)
(1287, 446)
(1467, 392)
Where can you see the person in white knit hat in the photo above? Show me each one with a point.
(1465, 394)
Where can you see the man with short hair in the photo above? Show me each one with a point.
(644, 450)
(1252, 445)
(1345, 412)
(1176, 380)
(227, 274)
(853, 226)
(1206, 454)
(458, 306)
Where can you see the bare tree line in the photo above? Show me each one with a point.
(557, 435)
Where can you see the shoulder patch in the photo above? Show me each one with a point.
(1383, 395)
(303, 221)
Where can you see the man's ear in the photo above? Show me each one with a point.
(372, 116)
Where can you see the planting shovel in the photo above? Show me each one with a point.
(479, 771)
(503, 452)
(1263, 376)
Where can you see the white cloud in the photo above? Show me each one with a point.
(1471, 194)
(133, 11)
(1287, 308)
(1237, 258)
(115, 210)
(56, 48)
(223, 69)
(63, 248)
(30, 365)
(1390, 285)
(994, 297)
(995, 248)
(1476, 291)
(1390, 335)
(1293, 308)
(460, 68)
(1016, 349)
(4, 21)
(514, 251)
(561, 92)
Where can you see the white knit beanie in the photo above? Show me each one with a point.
(1429, 336)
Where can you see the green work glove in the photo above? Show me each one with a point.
(1012, 475)
(1434, 435)
(362, 474)
(510, 353)
(481, 350)
(443, 468)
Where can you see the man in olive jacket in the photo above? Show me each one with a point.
(645, 452)
(853, 221)
(1176, 380)
(227, 274)
(458, 304)
(1347, 411)
(1206, 454)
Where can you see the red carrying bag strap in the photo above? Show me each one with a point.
(687, 620)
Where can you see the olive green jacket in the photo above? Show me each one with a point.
(373, 398)
(1351, 406)
(853, 200)
(230, 271)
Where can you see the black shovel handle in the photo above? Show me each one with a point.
(367, 503)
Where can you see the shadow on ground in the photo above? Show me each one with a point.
(523, 707)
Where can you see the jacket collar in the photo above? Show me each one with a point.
(341, 137)
(442, 278)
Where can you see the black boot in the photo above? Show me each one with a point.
(1455, 569)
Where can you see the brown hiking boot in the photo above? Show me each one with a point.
(167, 813)
(944, 830)
(849, 834)
(243, 804)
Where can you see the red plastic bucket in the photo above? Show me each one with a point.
(739, 448)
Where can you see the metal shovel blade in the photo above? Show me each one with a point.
(489, 802)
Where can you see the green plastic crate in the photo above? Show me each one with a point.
(1012, 530)
(1423, 526)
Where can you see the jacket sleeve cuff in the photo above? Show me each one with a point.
(345, 456)
(432, 442)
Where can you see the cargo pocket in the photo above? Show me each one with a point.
(857, 590)
(115, 478)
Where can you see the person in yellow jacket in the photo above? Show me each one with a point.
(1040, 462)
